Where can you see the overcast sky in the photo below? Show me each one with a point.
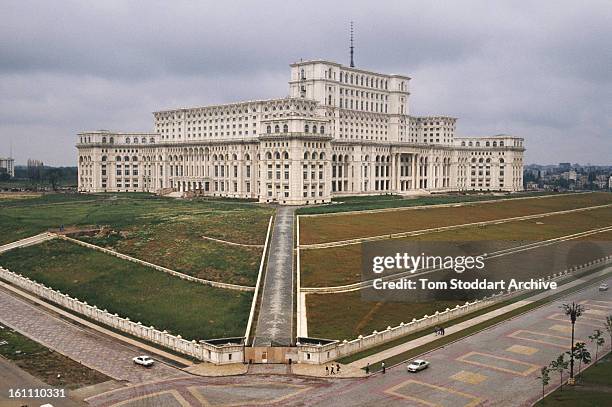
(541, 70)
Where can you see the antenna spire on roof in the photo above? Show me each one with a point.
(352, 48)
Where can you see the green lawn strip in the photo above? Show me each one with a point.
(322, 229)
(32, 216)
(193, 310)
(593, 387)
(345, 268)
(162, 231)
(348, 204)
(468, 331)
(46, 364)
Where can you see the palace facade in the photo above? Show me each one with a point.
(341, 131)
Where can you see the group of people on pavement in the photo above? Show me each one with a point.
(439, 330)
(329, 370)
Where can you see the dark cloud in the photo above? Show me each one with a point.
(540, 70)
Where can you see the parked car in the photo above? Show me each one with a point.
(603, 287)
(145, 361)
(417, 365)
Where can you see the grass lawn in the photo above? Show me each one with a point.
(160, 230)
(593, 388)
(321, 229)
(362, 203)
(192, 310)
(328, 315)
(46, 364)
(342, 265)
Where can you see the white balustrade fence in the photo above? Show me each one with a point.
(217, 354)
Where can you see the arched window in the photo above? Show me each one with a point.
(247, 157)
(269, 129)
(463, 143)
(306, 154)
(152, 140)
(135, 140)
(314, 129)
(104, 139)
(341, 76)
(306, 129)
(495, 144)
(501, 143)
(112, 140)
(286, 155)
(478, 144)
(118, 158)
(314, 155)
(134, 158)
(268, 155)
(103, 158)
(277, 129)
(144, 140)
(277, 155)
(285, 128)
(127, 140)
(487, 144)
(322, 130)
(126, 158)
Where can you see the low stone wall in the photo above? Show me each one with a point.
(159, 268)
(318, 354)
(217, 354)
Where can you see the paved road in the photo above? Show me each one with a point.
(497, 367)
(275, 321)
(93, 350)
(12, 377)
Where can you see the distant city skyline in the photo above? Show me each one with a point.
(499, 67)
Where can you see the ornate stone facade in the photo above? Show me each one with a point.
(341, 132)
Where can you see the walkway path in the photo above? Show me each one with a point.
(28, 241)
(404, 347)
(275, 321)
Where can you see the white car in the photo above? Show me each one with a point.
(417, 365)
(603, 287)
(145, 361)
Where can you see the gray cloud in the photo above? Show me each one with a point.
(540, 70)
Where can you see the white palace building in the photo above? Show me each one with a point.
(343, 131)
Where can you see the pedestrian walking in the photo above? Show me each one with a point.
(442, 330)
(436, 330)
(332, 369)
(338, 368)
(326, 370)
(367, 369)
(384, 370)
